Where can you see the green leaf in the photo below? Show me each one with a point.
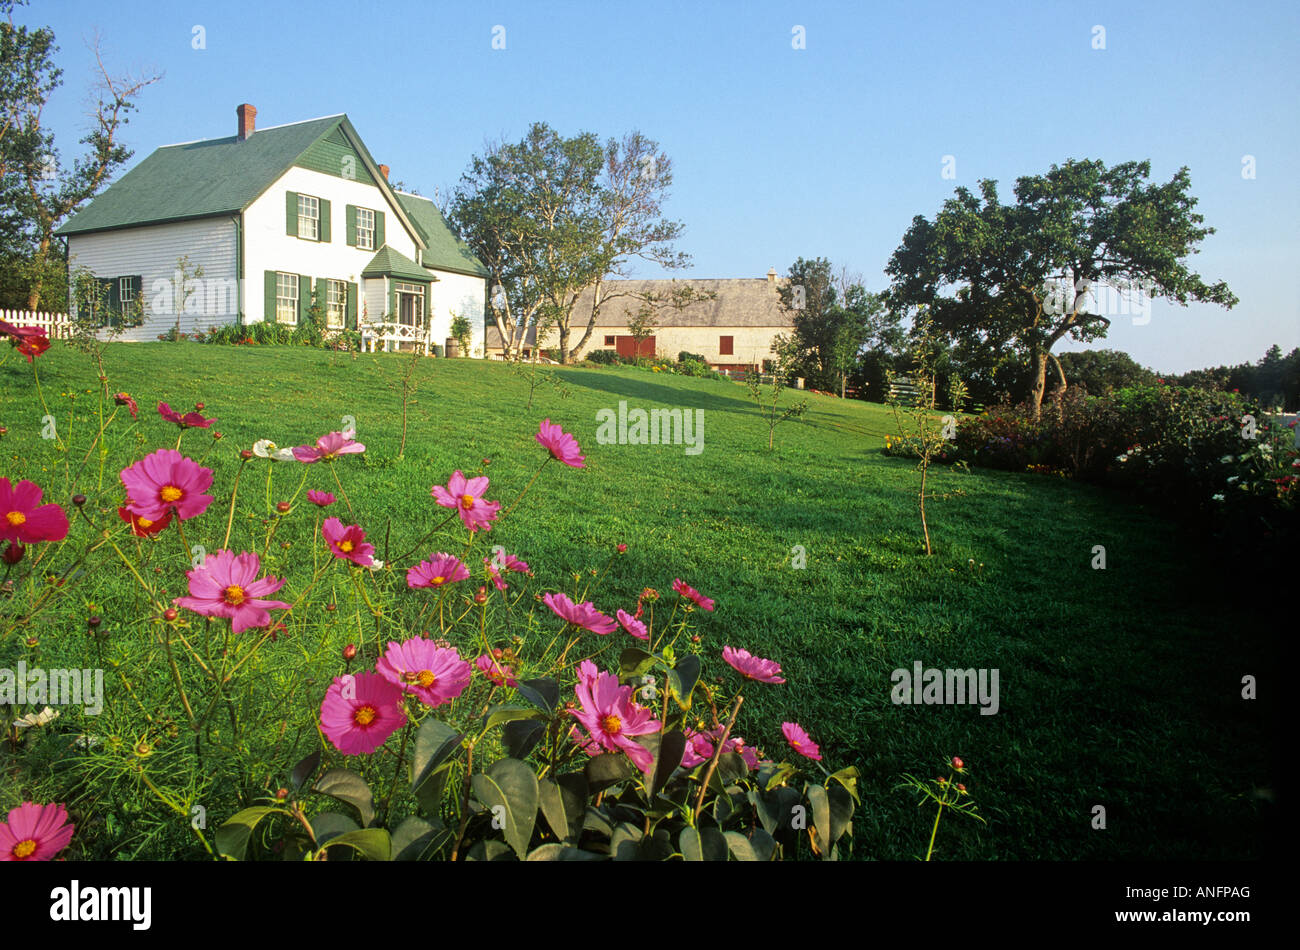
(624, 841)
(731, 768)
(521, 736)
(232, 837)
(667, 758)
(607, 769)
(764, 845)
(330, 824)
(304, 770)
(414, 836)
(633, 663)
(682, 679)
(780, 775)
(430, 792)
(740, 847)
(347, 786)
(821, 814)
(374, 843)
(596, 821)
(848, 777)
(776, 809)
(544, 693)
(489, 849)
(563, 804)
(841, 805)
(560, 852)
(496, 715)
(434, 744)
(509, 790)
(706, 844)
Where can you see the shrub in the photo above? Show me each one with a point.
(684, 356)
(604, 357)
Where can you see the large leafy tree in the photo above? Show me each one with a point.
(1020, 277)
(835, 319)
(552, 216)
(38, 191)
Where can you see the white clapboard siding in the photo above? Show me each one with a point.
(463, 295)
(151, 252)
(55, 325)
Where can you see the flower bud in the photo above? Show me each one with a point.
(33, 642)
(94, 620)
(14, 553)
(170, 613)
(957, 763)
(350, 652)
(198, 407)
(216, 436)
(487, 461)
(497, 653)
(480, 596)
(281, 793)
(622, 549)
(78, 500)
(282, 506)
(246, 454)
(330, 608)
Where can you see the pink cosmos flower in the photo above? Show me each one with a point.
(583, 615)
(30, 341)
(735, 744)
(500, 673)
(698, 749)
(433, 674)
(690, 593)
(360, 712)
(124, 399)
(166, 479)
(227, 586)
(633, 626)
(799, 741)
(329, 447)
(143, 527)
(348, 542)
(612, 719)
(561, 445)
(441, 569)
(23, 519)
(191, 420)
(753, 667)
(321, 498)
(35, 832)
(466, 495)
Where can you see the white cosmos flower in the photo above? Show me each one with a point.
(1216, 498)
(376, 565)
(44, 717)
(265, 448)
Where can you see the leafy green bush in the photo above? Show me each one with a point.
(684, 356)
(604, 357)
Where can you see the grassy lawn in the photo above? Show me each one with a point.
(1118, 687)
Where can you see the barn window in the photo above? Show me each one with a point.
(726, 345)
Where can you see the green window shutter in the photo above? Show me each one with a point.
(114, 296)
(352, 306)
(268, 313)
(379, 230)
(304, 297)
(324, 221)
(352, 225)
(392, 300)
(291, 213)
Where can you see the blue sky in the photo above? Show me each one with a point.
(778, 152)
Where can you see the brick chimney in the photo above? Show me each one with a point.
(383, 170)
(247, 120)
(771, 277)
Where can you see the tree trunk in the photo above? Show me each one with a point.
(564, 343)
(1040, 381)
(38, 274)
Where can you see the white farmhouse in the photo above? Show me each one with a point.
(276, 218)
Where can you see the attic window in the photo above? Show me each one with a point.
(309, 217)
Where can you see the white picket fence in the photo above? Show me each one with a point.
(55, 325)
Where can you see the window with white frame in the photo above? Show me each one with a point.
(410, 304)
(309, 217)
(365, 229)
(286, 298)
(336, 303)
(126, 291)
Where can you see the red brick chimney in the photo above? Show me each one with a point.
(383, 170)
(247, 120)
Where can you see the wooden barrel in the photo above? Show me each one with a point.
(453, 348)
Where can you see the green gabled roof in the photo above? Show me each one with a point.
(391, 263)
(200, 179)
(444, 251)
